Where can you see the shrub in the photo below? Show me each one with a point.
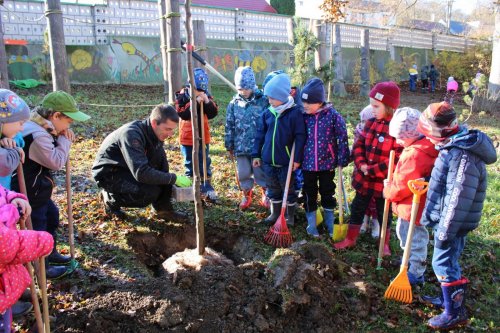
(464, 65)
(285, 7)
(305, 45)
(395, 71)
(374, 74)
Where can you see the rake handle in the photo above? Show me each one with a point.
(383, 229)
(69, 194)
(203, 148)
(340, 190)
(288, 177)
(235, 171)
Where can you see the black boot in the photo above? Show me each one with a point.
(290, 213)
(111, 210)
(56, 272)
(55, 258)
(20, 308)
(172, 215)
(275, 212)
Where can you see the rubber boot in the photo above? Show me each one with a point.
(329, 220)
(454, 314)
(20, 308)
(436, 301)
(387, 248)
(290, 213)
(246, 201)
(311, 228)
(375, 228)
(111, 210)
(56, 272)
(364, 225)
(350, 240)
(264, 200)
(275, 212)
(55, 258)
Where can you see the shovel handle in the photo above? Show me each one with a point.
(418, 187)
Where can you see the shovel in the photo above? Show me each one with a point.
(340, 231)
(400, 288)
(203, 145)
(387, 203)
(279, 235)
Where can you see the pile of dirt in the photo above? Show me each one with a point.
(301, 289)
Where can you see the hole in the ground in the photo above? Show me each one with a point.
(153, 249)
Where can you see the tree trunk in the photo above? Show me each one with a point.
(4, 73)
(163, 47)
(494, 81)
(57, 46)
(364, 88)
(338, 83)
(200, 43)
(174, 49)
(198, 207)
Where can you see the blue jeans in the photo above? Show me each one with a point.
(46, 218)
(276, 180)
(433, 85)
(187, 152)
(420, 240)
(445, 260)
(413, 82)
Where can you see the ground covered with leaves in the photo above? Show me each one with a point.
(122, 286)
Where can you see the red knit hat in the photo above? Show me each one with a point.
(438, 121)
(387, 93)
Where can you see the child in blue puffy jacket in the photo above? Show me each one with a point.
(326, 148)
(282, 124)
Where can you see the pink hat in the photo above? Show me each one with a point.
(387, 93)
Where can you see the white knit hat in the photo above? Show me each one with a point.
(404, 123)
(366, 113)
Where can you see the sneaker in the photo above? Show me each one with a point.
(414, 281)
(111, 211)
(375, 228)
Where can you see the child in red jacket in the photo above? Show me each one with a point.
(371, 158)
(416, 161)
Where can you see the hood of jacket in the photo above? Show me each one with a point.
(474, 141)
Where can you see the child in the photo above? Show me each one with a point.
(242, 118)
(282, 124)
(371, 158)
(454, 202)
(14, 112)
(424, 77)
(186, 136)
(413, 73)
(451, 90)
(326, 147)
(416, 161)
(48, 140)
(433, 76)
(371, 211)
(17, 247)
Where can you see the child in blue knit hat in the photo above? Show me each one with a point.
(326, 148)
(186, 137)
(242, 118)
(281, 125)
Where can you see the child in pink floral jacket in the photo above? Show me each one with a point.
(17, 247)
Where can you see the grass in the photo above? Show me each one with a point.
(107, 258)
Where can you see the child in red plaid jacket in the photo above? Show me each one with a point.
(371, 158)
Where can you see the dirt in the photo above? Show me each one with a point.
(300, 289)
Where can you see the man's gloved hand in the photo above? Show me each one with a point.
(183, 181)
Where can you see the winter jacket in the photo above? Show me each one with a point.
(276, 134)
(416, 161)
(242, 118)
(452, 86)
(183, 107)
(424, 74)
(6, 180)
(133, 148)
(433, 74)
(17, 248)
(373, 148)
(326, 144)
(45, 152)
(10, 159)
(457, 188)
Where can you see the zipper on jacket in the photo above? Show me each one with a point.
(316, 142)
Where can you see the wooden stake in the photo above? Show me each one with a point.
(71, 233)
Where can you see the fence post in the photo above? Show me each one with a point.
(57, 46)
(200, 43)
(364, 88)
(289, 30)
(319, 53)
(338, 81)
(434, 43)
(163, 48)
(174, 48)
(4, 72)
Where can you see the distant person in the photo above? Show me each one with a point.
(433, 76)
(413, 73)
(424, 77)
(131, 166)
(451, 90)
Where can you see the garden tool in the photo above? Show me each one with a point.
(346, 203)
(209, 67)
(69, 194)
(203, 145)
(340, 231)
(319, 217)
(45, 302)
(400, 287)
(279, 235)
(387, 204)
(233, 162)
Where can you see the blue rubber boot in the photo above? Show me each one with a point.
(311, 228)
(454, 314)
(436, 301)
(329, 220)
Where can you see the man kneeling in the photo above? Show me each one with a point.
(131, 166)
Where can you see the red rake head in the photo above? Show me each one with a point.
(279, 235)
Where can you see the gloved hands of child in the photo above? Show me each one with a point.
(183, 181)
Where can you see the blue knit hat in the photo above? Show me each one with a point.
(12, 107)
(244, 78)
(201, 79)
(278, 88)
(313, 92)
(270, 76)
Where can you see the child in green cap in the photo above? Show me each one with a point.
(48, 139)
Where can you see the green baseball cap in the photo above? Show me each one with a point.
(63, 102)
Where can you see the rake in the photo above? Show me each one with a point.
(279, 235)
(340, 230)
(400, 288)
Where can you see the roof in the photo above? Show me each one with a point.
(254, 5)
(428, 26)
